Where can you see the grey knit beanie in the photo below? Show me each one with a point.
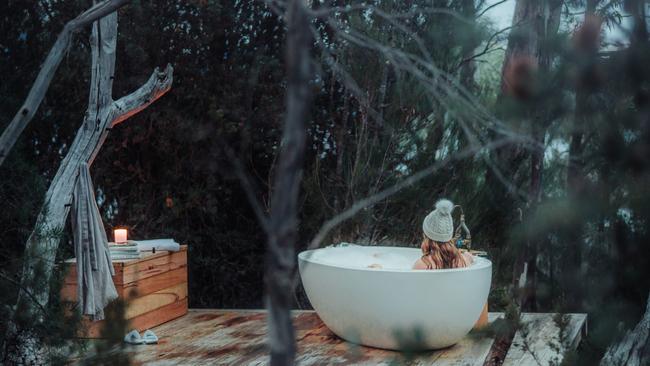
(438, 225)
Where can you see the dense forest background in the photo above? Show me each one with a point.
(568, 195)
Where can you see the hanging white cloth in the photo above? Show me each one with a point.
(95, 288)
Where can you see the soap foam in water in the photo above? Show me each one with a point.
(357, 256)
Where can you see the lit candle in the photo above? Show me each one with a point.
(120, 236)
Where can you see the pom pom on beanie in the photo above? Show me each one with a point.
(444, 207)
(439, 225)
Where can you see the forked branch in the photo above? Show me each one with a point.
(158, 84)
(39, 88)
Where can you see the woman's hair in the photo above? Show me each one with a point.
(437, 255)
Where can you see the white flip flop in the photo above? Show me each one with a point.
(149, 337)
(133, 337)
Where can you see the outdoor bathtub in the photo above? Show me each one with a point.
(393, 307)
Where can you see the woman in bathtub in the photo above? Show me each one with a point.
(438, 250)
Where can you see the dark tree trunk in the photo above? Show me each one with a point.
(527, 56)
(283, 222)
(586, 44)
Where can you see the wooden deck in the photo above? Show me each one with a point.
(237, 337)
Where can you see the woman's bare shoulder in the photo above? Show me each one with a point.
(419, 264)
(468, 258)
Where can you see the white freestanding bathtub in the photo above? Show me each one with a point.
(393, 307)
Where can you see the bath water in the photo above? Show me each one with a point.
(360, 256)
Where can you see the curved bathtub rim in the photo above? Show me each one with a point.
(479, 262)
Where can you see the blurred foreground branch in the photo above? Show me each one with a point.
(282, 223)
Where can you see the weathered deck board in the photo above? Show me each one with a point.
(540, 341)
(237, 337)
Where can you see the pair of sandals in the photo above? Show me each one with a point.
(148, 337)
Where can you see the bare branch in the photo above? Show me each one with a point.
(24, 290)
(409, 181)
(51, 64)
(328, 12)
(489, 43)
(247, 185)
(442, 87)
(159, 83)
(490, 7)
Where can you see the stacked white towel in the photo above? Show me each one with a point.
(128, 250)
(133, 248)
(159, 244)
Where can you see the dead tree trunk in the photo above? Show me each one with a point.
(103, 113)
(283, 222)
(634, 348)
(42, 83)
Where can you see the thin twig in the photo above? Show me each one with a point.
(24, 290)
(490, 7)
(247, 185)
(409, 181)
